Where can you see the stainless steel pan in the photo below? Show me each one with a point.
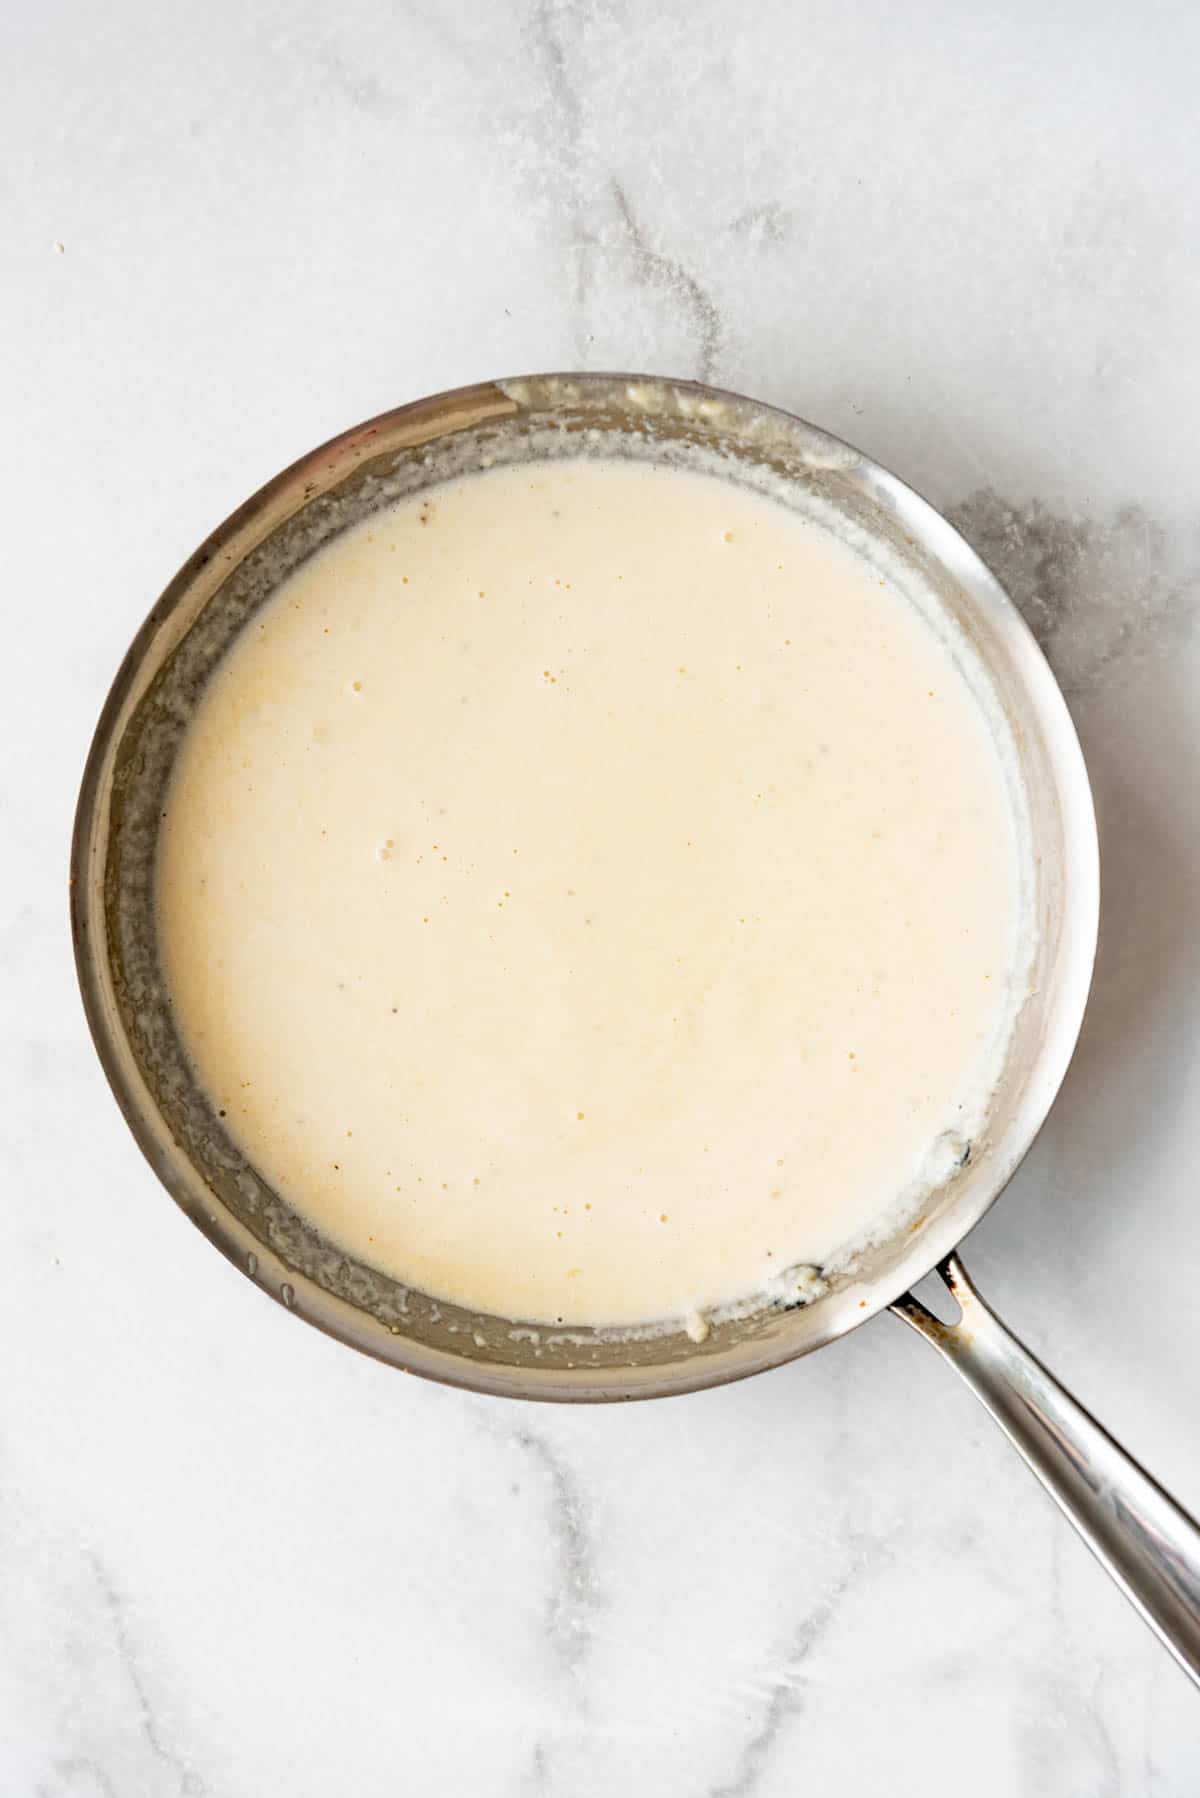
(1151, 1547)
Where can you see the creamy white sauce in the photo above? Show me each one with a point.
(591, 894)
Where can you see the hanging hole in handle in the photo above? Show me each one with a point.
(936, 1298)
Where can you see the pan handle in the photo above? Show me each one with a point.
(1147, 1542)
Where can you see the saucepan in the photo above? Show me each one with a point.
(1147, 1542)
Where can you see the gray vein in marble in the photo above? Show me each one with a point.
(766, 224)
(363, 89)
(1052, 1732)
(73, 1770)
(190, 1784)
(539, 1771)
(788, 1680)
(1106, 1747)
(365, 92)
(573, 1600)
(434, 22)
(1057, 1610)
(667, 273)
(591, 190)
(1152, 1773)
(568, 119)
(1097, 594)
(563, 96)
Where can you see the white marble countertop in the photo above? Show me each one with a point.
(236, 1559)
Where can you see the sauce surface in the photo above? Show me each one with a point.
(588, 891)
